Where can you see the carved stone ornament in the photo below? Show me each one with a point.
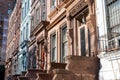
(79, 6)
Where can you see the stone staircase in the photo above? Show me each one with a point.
(14, 77)
(36, 74)
(77, 68)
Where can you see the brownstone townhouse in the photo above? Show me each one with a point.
(63, 41)
(13, 41)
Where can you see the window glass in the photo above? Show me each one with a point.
(64, 44)
(37, 16)
(53, 48)
(53, 4)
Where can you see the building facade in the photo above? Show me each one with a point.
(13, 41)
(5, 9)
(67, 30)
(38, 34)
(72, 29)
(109, 35)
(52, 30)
(24, 35)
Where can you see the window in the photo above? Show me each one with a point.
(21, 36)
(89, 42)
(64, 44)
(24, 61)
(60, 1)
(25, 9)
(37, 16)
(23, 33)
(53, 4)
(43, 16)
(9, 11)
(53, 48)
(43, 1)
(22, 13)
(28, 5)
(32, 23)
(26, 31)
(119, 43)
(82, 41)
(9, 4)
(113, 7)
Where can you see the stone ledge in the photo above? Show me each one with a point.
(44, 76)
(85, 65)
(56, 66)
(23, 73)
(61, 71)
(32, 73)
(23, 78)
(14, 77)
(72, 57)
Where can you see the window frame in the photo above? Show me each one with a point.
(63, 55)
(55, 47)
(37, 15)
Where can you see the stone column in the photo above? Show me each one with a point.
(89, 2)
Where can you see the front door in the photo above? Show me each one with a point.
(41, 55)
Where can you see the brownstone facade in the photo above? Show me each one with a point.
(38, 34)
(13, 40)
(5, 9)
(63, 32)
(77, 20)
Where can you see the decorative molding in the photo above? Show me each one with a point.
(67, 2)
(63, 4)
(58, 19)
(31, 42)
(40, 26)
(78, 7)
(52, 13)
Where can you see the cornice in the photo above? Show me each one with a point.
(40, 26)
(31, 42)
(67, 3)
(53, 13)
(78, 7)
(58, 19)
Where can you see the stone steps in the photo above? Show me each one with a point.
(32, 73)
(14, 77)
(44, 76)
(78, 68)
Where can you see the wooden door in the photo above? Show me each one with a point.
(42, 53)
